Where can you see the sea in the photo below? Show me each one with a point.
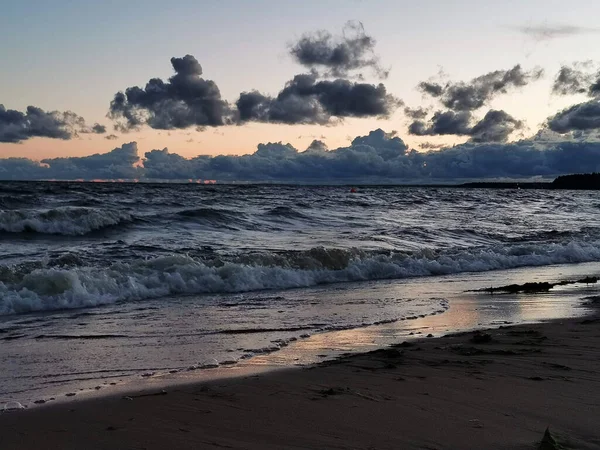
(113, 284)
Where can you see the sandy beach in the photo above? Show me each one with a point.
(497, 389)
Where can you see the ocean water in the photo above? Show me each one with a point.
(101, 282)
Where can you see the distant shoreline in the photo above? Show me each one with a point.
(589, 181)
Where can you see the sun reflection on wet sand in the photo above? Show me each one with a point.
(468, 310)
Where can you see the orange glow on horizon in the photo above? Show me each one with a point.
(234, 140)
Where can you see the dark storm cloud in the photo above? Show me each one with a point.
(594, 90)
(338, 55)
(119, 163)
(443, 123)
(160, 164)
(580, 117)
(381, 157)
(116, 164)
(545, 32)
(305, 100)
(515, 160)
(581, 78)
(377, 157)
(472, 95)
(496, 126)
(366, 156)
(185, 100)
(21, 169)
(16, 126)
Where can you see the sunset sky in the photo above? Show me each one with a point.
(76, 55)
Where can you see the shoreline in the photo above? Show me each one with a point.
(496, 388)
(323, 347)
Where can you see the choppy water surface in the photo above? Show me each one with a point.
(209, 271)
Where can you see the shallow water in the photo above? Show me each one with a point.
(56, 353)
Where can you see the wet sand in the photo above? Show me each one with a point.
(498, 389)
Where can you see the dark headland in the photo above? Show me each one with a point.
(582, 181)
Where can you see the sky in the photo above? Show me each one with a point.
(69, 55)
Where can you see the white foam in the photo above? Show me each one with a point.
(52, 288)
(62, 221)
(12, 406)
(210, 363)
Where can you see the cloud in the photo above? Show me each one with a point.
(98, 129)
(338, 55)
(317, 146)
(378, 157)
(580, 117)
(580, 78)
(546, 32)
(160, 164)
(522, 159)
(472, 95)
(443, 123)
(430, 146)
(21, 169)
(185, 100)
(416, 113)
(431, 88)
(120, 163)
(576, 79)
(366, 156)
(306, 100)
(496, 126)
(382, 157)
(16, 126)
(111, 137)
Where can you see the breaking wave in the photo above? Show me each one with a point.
(51, 288)
(61, 221)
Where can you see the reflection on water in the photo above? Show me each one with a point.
(468, 310)
(46, 354)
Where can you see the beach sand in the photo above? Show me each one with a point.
(499, 389)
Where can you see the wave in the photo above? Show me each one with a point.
(54, 288)
(211, 214)
(287, 212)
(61, 221)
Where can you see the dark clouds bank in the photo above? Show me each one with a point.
(377, 157)
(117, 164)
(17, 126)
(381, 157)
